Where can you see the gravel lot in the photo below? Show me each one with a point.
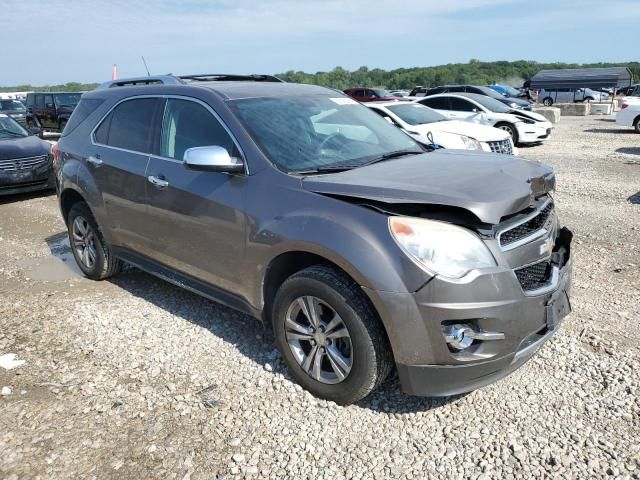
(136, 378)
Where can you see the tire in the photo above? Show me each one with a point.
(636, 124)
(98, 263)
(588, 100)
(510, 129)
(331, 294)
(547, 102)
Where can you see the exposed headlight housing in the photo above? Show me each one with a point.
(441, 248)
(471, 143)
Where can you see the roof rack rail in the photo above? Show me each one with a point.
(182, 79)
(141, 81)
(230, 77)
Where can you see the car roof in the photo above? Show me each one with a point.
(470, 96)
(233, 90)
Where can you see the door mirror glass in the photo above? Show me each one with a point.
(35, 131)
(212, 159)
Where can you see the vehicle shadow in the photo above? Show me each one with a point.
(610, 130)
(634, 199)
(247, 334)
(629, 150)
(19, 197)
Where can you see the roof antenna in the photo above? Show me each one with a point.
(145, 66)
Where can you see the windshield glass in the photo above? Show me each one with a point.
(305, 133)
(510, 91)
(68, 98)
(11, 105)
(491, 104)
(381, 92)
(416, 114)
(9, 128)
(490, 92)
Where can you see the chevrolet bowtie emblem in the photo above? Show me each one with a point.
(546, 248)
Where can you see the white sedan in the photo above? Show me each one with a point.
(430, 127)
(524, 127)
(629, 113)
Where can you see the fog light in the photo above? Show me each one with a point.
(461, 336)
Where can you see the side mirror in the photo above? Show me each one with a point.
(212, 159)
(35, 131)
(475, 110)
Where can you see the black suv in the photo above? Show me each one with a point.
(51, 110)
(513, 102)
(300, 206)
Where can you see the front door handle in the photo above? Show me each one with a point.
(158, 182)
(94, 160)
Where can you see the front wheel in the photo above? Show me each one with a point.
(547, 102)
(331, 338)
(90, 251)
(510, 129)
(636, 125)
(589, 99)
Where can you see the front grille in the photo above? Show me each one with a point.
(527, 228)
(502, 146)
(20, 164)
(535, 276)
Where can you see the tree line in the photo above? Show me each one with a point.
(474, 72)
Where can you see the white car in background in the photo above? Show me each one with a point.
(629, 113)
(523, 126)
(430, 127)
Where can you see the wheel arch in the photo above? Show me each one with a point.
(68, 198)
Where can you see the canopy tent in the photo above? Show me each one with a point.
(596, 78)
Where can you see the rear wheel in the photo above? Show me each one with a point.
(90, 251)
(547, 102)
(510, 129)
(636, 124)
(589, 99)
(330, 336)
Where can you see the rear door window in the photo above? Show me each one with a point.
(40, 101)
(461, 105)
(129, 125)
(438, 103)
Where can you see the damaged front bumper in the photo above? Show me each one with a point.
(510, 325)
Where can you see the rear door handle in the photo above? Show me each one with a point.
(94, 160)
(158, 182)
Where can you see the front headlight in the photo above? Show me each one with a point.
(471, 143)
(514, 105)
(440, 247)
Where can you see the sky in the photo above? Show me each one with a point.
(59, 41)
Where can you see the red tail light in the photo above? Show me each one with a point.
(54, 151)
(623, 106)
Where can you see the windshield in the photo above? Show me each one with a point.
(382, 93)
(416, 114)
(68, 98)
(11, 105)
(491, 104)
(306, 133)
(490, 92)
(9, 128)
(510, 91)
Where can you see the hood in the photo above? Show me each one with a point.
(482, 133)
(487, 185)
(23, 147)
(518, 101)
(530, 115)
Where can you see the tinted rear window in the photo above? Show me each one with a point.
(128, 125)
(85, 108)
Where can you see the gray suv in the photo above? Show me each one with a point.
(299, 206)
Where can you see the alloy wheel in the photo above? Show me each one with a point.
(319, 340)
(84, 242)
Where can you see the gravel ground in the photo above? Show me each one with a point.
(136, 378)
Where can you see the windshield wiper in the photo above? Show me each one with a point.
(343, 167)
